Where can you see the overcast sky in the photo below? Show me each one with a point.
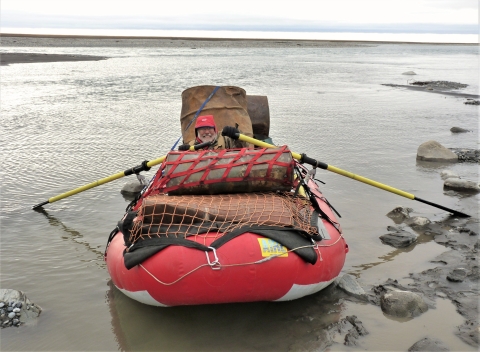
(417, 16)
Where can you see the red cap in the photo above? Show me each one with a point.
(205, 121)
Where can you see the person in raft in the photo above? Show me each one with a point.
(206, 131)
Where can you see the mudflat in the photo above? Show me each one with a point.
(21, 58)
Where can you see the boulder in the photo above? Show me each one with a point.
(434, 151)
(403, 304)
(458, 130)
(428, 344)
(348, 284)
(448, 174)
(461, 185)
(409, 73)
(399, 239)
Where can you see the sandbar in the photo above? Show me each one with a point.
(21, 58)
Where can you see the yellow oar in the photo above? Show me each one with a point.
(145, 166)
(305, 159)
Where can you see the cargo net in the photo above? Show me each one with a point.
(182, 216)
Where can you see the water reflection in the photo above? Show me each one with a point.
(390, 256)
(71, 234)
(260, 326)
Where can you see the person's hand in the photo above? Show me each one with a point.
(184, 147)
(230, 132)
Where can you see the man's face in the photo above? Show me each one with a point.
(206, 134)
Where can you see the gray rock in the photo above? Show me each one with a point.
(18, 302)
(448, 174)
(457, 275)
(403, 304)
(461, 185)
(467, 155)
(458, 130)
(417, 221)
(472, 102)
(428, 344)
(348, 284)
(400, 212)
(399, 239)
(409, 73)
(132, 188)
(434, 151)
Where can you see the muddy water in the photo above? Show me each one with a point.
(68, 124)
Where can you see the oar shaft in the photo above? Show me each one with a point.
(145, 166)
(313, 162)
(88, 186)
(370, 182)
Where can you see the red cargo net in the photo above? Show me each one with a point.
(225, 171)
(181, 216)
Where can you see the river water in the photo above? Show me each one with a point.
(67, 124)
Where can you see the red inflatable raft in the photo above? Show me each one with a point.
(230, 226)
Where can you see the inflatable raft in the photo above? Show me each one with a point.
(238, 225)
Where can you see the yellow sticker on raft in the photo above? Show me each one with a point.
(270, 247)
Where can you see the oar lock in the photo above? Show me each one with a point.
(137, 169)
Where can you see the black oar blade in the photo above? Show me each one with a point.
(454, 212)
(39, 205)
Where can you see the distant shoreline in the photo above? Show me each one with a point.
(306, 42)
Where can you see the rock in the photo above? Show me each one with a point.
(132, 188)
(351, 326)
(428, 344)
(448, 174)
(467, 155)
(441, 85)
(457, 275)
(399, 239)
(352, 319)
(417, 221)
(348, 284)
(409, 73)
(472, 102)
(400, 213)
(403, 304)
(458, 130)
(434, 151)
(17, 308)
(461, 185)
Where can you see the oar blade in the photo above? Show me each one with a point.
(454, 212)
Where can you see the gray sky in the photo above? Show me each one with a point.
(407, 16)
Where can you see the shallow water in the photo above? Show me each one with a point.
(64, 125)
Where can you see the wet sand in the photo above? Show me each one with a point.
(22, 58)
